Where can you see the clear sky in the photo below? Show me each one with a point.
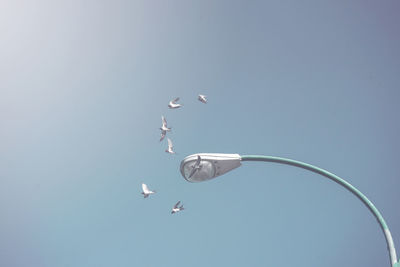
(83, 85)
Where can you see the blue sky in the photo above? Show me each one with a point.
(84, 85)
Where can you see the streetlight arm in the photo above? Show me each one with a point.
(348, 186)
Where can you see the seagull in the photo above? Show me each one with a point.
(146, 192)
(172, 104)
(176, 209)
(202, 98)
(170, 147)
(164, 125)
(164, 129)
(196, 166)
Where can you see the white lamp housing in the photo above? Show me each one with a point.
(211, 166)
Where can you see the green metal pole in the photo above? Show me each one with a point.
(348, 186)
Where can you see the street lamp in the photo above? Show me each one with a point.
(205, 166)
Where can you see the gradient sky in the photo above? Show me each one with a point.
(83, 85)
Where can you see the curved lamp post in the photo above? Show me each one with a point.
(205, 166)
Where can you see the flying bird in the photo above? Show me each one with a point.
(146, 192)
(164, 128)
(196, 166)
(176, 209)
(202, 98)
(172, 104)
(170, 147)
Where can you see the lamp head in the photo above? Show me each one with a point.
(205, 166)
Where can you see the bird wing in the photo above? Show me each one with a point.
(145, 188)
(175, 100)
(198, 161)
(192, 172)
(177, 204)
(169, 143)
(164, 121)
(163, 133)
